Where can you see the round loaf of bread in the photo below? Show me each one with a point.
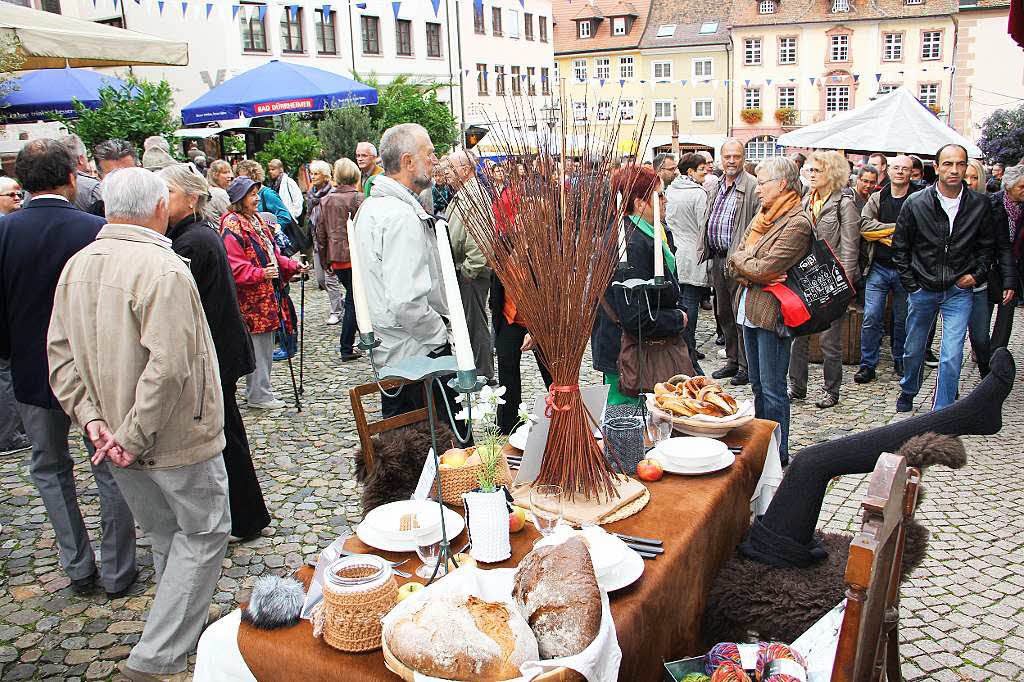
(556, 591)
(457, 637)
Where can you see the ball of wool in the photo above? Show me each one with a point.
(778, 662)
(729, 672)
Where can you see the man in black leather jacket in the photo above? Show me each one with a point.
(943, 246)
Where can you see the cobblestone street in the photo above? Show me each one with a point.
(962, 610)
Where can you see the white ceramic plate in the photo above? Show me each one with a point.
(691, 451)
(627, 568)
(625, 574)
(386, 519)
(727, 459)
(453, 522)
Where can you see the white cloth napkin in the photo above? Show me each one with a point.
(599, 662)
(771, 476)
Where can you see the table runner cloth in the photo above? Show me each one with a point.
(700, 519)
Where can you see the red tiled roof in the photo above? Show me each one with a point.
(566, 32)
(688, 16)
(746, 12)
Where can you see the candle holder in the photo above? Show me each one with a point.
(429, 369)
(643, 287)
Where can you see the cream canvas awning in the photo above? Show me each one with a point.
(49, 41)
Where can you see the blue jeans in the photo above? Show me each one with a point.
(767, 366)
(978, 328)
(955, 304)
(881, 280)
(691, 296)
(348, 320)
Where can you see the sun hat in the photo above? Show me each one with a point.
(239, 187)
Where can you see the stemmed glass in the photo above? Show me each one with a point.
(428, 549)
(546, 501)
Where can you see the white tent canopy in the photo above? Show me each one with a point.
(894, 123)
(52, 41)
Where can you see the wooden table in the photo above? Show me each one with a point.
(700, 519)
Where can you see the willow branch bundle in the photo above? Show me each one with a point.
(555, 250)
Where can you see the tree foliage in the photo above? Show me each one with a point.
(1002, 136)
(132, 112)
(403, 101)
(10, 61)
(342, 128)
(296, 144)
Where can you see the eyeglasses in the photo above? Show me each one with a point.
(11, 195)
(814, 171)
(762, 183)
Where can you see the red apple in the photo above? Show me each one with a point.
(516, 519)
(649, 470)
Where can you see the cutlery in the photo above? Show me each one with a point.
(648, 557)
(735, 449)
(646, 549)
(643, 541)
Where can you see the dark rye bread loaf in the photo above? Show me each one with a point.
(556, 591)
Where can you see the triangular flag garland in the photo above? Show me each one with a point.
(160, 4)
(396, 7)
(293, 11)
(209, 8)
(262, 12)
(437, 5)
(184, 8)
(234, 11)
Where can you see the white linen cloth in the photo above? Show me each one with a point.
(771, 476)
(819, 643)
(218, 658)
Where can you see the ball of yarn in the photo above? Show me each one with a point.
(776, 651)
(720, 653)
(729, 672)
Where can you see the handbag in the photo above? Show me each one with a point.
(662, 358)
(816, 292)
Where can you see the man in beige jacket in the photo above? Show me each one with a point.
(132, 361)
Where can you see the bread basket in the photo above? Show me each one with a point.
(407, 674)
(711, 427)
(464, 479)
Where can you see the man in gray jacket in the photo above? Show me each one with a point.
(397, 248)
(730, 210)
(147, 392)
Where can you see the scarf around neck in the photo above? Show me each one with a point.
(1013, 210)
(766, 217)
(648, 229)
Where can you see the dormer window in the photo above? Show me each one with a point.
(766, 7)
(585, 29)
(619, 26)
(840, 6)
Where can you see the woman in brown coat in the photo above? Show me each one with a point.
(775, 240)
(336, 209)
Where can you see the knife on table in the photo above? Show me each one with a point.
(645, 549)
(642, 541)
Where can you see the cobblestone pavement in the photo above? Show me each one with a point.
(962, 610)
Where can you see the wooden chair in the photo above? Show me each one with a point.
(868, 648)
(367, 429)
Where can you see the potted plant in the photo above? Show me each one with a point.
(751, 116)
(785, 116)
(487, 514)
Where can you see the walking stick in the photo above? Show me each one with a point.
(302, 323)
(284, 336)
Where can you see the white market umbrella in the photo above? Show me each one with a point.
(895, 123)
(52, 41)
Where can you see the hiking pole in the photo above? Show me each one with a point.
(302, 321)
(284, 337)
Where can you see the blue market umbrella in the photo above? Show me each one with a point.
(277, 88)
(41, 92)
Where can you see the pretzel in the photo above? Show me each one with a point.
(720, 402)
(674, 405)
(666, 389)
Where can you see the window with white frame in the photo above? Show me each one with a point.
(604, 110)
(619, 26)
(839, 48)
(760, 148)
(579, 69)
(892, 47)
(840, 6)
(584, 29)
(602, 67)
(708, 27)
(787, 97)
(626, 67)
(661, 71)
(928, 93)
(837, 98)
(579, 111)
(766, 7)
(751, 98)
(627, 109)
(512, 21)
(666, 30)
(662, 110)
(931, 45)
(703, 110)
(886, 88)
(787, 50)
(702, 68)
(752, 51)
(914, 2)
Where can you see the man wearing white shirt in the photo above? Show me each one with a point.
(943, 246)
(285, 187)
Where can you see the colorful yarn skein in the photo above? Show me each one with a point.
(777, 662)
(729, 672)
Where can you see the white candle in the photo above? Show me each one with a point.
(659, 254)
(621, 228)
(456, 313)
(358, 292)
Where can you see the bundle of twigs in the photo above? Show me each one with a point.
(554, 247)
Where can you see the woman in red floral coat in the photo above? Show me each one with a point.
(260, 272)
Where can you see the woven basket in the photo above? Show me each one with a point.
(352, 613)
(465, 479)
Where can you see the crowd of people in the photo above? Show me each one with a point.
(135, 300)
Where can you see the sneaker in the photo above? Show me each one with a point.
(84, 586)
(793, 395)
(279, 355)
(864, 375)
(905, 403)
(18, 443)
(275, 404)
(333, 319)
(741, 378)
(725, 372)
(827, 400)
(349, 357)
(930, 360)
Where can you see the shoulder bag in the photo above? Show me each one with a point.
(662, 358)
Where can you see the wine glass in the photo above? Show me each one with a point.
(546, 501)
(428, 549)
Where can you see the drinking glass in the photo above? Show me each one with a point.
(428, 549)
(546, 501)
(660, 429)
